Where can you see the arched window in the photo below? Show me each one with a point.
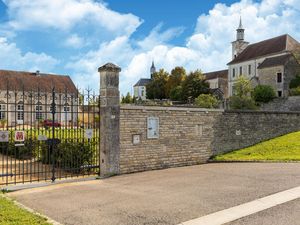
(20, 111)
(38, 111)
(2, 110)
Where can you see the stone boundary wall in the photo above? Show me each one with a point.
(239, 129)
(185, 137)
(291, 103)
(190, 136)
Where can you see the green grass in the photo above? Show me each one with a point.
(284, 148)
(11, 214)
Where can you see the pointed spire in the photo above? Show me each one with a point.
(152, 64)
(152, 69)
(241, 24)
(240, 32)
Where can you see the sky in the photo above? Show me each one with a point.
(75, 37)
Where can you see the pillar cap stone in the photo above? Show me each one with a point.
(109, 67)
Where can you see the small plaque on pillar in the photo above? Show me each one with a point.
(136, 139)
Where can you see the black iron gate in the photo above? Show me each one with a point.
(48, 135)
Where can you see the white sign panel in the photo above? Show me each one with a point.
(152, 127)
(88, 133)
(19, 136)
(4, 136)
(42, 137)
(136, 139)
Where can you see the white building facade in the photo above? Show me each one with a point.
(246, 59)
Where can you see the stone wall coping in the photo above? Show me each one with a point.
(261, 112)
(168, 108)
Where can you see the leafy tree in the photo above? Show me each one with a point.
(176, 93)
(242, 86)
(207, 101)
(127, 99)
(178, 74)
(156, 89)
(242, 95)
(194, 85)
(263, 93)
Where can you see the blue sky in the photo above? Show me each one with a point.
(75, 37)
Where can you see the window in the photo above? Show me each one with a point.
(249, 69)
(279, 77)
(66, 108)
(279, 93)
(2, 111)
(38, 111)
(233, 72)
(20, 111)
(241, 70)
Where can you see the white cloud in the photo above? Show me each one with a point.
(157, 37)
(208, 48)
(66, 14)
(75, 41)
(12, 58)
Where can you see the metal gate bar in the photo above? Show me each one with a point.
(62, 135)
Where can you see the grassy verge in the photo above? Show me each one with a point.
(11, 214)
(284, 148)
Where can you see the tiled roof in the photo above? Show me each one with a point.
(142, 82)
(216, 74)
(267, 47)
(17, 80)
(274, 61)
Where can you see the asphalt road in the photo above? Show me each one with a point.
(287, 213)
(167, 196)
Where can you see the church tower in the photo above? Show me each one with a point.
(152, 70)
(239, 44)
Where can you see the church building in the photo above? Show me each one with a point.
(140, 86)
(269, 62)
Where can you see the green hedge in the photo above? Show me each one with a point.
(71, 156)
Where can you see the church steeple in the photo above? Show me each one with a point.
(239, 44)
(152, 69)
(240, 32)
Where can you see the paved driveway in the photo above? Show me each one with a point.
(161, 197)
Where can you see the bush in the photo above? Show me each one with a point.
(28, 151)
(263, 93)
(236, 102)
(295, 91)
(70, 156)
(207, 101)
(295, 82)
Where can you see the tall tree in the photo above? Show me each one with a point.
(194, 85)
(177, 76)
(242, 87)
(156, 89)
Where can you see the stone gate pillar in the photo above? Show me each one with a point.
(109, 120)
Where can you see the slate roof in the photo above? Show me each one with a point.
(17, 80)
(274, 61)
(142, 82)
(216, 74)
(271, 46)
